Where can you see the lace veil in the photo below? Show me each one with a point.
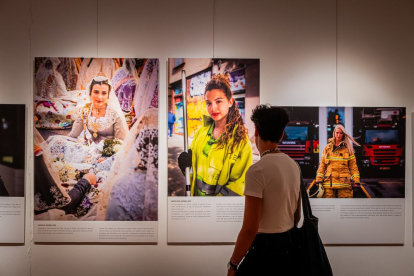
(91, 67)
(129, 65)
(147, 85)
(128, 159)
(113, 103)
(48, 81)
(47, 157)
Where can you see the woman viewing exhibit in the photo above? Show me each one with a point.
(338, 165)
(272, 203)
(220, 152)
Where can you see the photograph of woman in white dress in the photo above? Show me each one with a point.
(80, 135)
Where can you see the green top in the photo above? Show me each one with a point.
(217, 171)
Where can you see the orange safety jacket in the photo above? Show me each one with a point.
(337, 167)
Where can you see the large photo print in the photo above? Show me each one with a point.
(96, 139)
(352, 152)
(211, 145)
(219, 97)
(12, 149)
(12, 172)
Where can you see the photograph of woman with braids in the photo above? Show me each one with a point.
(220, 149)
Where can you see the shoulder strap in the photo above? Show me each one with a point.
(307, 210)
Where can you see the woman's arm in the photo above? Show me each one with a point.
(322, 167)
(251, 220)
(353, 168)
(238, 170)
(77, 127)
(119, 129)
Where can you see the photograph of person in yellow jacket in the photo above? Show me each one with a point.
(338, 165)
(220, 152)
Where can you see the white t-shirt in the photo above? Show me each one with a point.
(275, 179)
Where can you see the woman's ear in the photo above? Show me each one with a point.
(231, 101)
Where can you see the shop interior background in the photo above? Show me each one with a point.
(318, 53)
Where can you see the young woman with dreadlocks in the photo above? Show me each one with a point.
(220, 152)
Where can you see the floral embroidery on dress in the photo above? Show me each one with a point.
(154, 101)
(60, 200)
(147, 146)
(103, 122)
(135, 195)
(130, 195)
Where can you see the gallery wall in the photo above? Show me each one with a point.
(312, 53)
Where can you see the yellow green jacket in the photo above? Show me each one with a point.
(217, 172)
(337, 167)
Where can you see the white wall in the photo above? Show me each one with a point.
(301, 64)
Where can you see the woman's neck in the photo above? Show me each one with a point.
(267, 147)
(219, 127)
(263, 146)
(220, 124)
(99, 112)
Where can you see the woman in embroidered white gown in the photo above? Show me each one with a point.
(99, 120)
(80, 151)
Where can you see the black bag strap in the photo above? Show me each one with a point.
(307, 210)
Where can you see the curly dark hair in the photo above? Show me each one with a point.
(270, 122)
(222, 82)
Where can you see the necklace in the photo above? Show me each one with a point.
(97, 110)
(269, 151)
(95, 126)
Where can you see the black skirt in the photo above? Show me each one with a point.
(272, 254)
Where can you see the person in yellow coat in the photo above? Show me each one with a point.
(220, 152)
(338, 165)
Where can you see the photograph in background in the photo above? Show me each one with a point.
(380, 159)
(12, 149)
(335, 116)
(96, 139)
(301, 138)
(244, 81)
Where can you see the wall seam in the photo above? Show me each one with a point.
(30, 136)
(214, 17)
(336, 52)
(97, 28)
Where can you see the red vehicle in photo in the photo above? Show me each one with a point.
(301, 143)
(383, 139)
